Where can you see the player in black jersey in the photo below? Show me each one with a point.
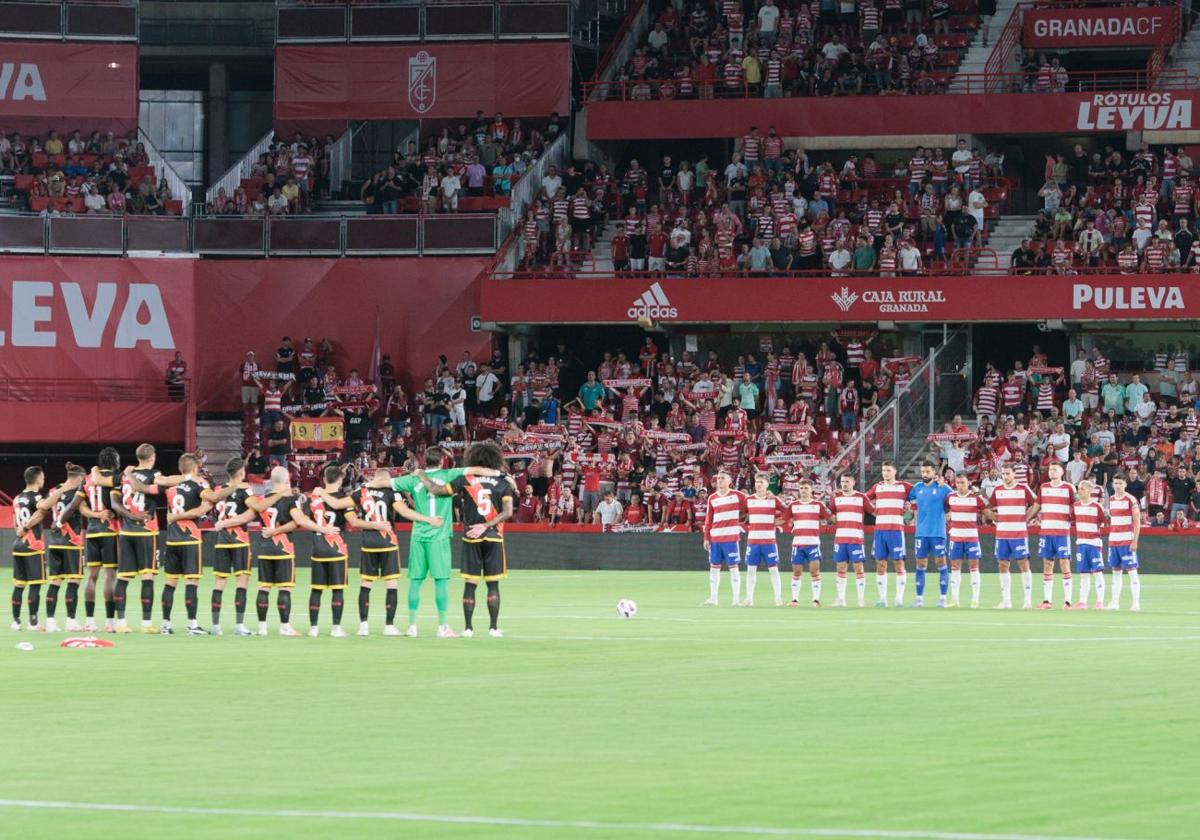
(379, 557)
(231, 552)
(29, 559)
(100, 543)
(64, 549)
(487, 503)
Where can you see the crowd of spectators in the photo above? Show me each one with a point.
(283, 181)
(97, 174)
(1135, 213)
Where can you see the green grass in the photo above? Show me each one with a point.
(1031, 723)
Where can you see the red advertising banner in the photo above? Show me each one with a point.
(1133, 26)
(881, 116)
(66, 86)
(842, 299)
(81, 318)
(421, 80)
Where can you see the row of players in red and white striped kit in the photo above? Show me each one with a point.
(1058, 508)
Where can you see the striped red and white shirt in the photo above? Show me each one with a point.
(1121, 511)
(760, 518)
(806, 522)
(1055, 502)
(1010, 504)
(1088, 517)
(888, 500)
(964, 516)
(850, 510)
(722, 522)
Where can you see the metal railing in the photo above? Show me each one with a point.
(415, 20)
(341, 159)
(631, 34)
(180, 190)
(525, 189)
(242, 169)
(55, 389)
(69, 20)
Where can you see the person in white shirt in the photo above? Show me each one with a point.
(486, 386)
(608, 512)
(910, 258)
(458, 404)
(1135, 391)
(658, 38)
(1060, 442)
(768, 21)
(1076, 468)
(961, 161)
(450, 187)
(1078, 369)
(1145, 410)
(839, 259)
(736, 169)
(976, 204)
(551, 181)
(834, 50)
(1141, 236)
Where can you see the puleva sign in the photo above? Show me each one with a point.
(139, 317)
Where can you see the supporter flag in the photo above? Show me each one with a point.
(317, 433)
(376, 358)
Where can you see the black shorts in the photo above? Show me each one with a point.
(379, 565)
(101, 551)
(137, 555)
(230, 561)
(64, 563)
(182, 561)
(329, 573)
(279, 571)
(483, 559)
(29, 569)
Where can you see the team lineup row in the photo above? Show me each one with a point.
(105, 519)
(947, 531)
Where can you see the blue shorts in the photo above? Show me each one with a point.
(930, 547)
(848, 553)
(1122, 557)
(1012, 549)
(762, 555)
(964, 550)
(722, 553)
(1054, 548)
(802, 555)
(889, 545)
(1088, 558)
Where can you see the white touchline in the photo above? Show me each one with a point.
(582, 825)
(809, 640)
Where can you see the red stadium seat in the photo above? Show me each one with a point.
(174, 207)
(76, 204)
(40, 160)
(38, 203)
(23, 183)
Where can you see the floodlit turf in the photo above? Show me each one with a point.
(872, 723)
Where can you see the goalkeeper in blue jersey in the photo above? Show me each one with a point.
(929, 498)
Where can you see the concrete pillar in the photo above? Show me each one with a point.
(218, 121)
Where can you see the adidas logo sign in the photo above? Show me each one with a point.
(653, 304)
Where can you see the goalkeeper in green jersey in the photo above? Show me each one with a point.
(429, 552)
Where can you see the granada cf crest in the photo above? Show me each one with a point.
(422, 82)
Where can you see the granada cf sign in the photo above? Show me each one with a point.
(1141, 26)
(526, 79)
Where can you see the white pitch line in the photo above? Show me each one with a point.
(942, 624)
(809, 640)
(582, 825)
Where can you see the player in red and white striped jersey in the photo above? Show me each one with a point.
(1054, 539)
(1089, 515)
(1125, 526)
(1013, 505)
(764, 510)
(964, 507)
(850, 509)
(722, 535)
(888, 498)
(805, 515)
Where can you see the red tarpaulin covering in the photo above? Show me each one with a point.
(48, 85)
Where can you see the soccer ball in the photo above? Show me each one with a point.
(626, 608)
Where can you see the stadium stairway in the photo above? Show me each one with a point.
(221, 439)
(602, 250)
(1186, 55)
(1007, 235)
(979, 51)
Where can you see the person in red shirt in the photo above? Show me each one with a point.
(635, 511)
(176, 374)
(591, 474)
(529, 509)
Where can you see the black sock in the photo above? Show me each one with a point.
(35, 596)
(364, 603)
(191, 598)
(283, 602)
(493, 602)
(168, 602)
(338, 604)
(217, 595)
(110, 607)
(17, 595)
(147, 600)
(89, 608)
(262, 603)
(393, 600)
(52, 600)
(72, 598)
(468, 604)
(122, 588)
(314, 606)
(239, 604)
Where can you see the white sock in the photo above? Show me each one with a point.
(714, 582)
(1006, 587)
(901, 583)
(1048, 587)
(1098, 578)
(776, 583)
(881, 586)
(751, 581)
(1135, 587)
(816, 589)
(735, 583)
(145, 623)
(841, 586)
(1068, 587)
(976, 584)
(955, 584)
(1116, 587)
(796, 584)
(860, 586)
(1085, 586)
(1027, 585)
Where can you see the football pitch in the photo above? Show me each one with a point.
(683, 721)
